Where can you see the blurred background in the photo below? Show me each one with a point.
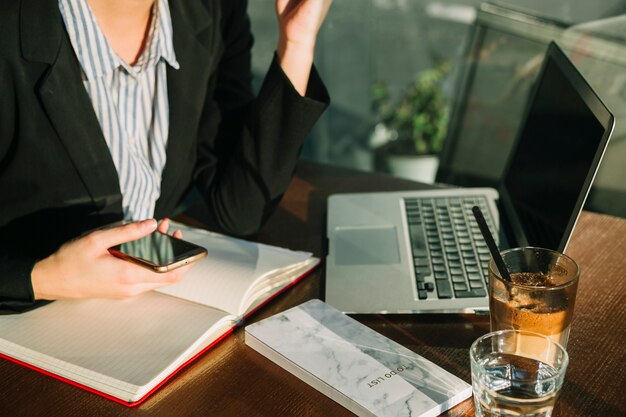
(435, 90)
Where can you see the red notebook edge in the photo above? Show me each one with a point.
(177, 370)
(111, 397)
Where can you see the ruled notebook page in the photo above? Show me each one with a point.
(232, 267)
(113, 346)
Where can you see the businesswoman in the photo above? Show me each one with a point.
(112, 109)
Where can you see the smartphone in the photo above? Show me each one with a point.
(159, 252)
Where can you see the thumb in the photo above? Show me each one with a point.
(126, 233)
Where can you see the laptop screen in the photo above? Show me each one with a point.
(556, 155)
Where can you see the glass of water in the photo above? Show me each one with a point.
(509, 380)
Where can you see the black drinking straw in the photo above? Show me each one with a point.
(491, 244)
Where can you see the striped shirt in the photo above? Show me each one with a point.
(130, 102)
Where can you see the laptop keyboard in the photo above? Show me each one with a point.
(450, 255)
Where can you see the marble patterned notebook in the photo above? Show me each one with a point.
(359, 368)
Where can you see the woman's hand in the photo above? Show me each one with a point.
(299, 22)
(84, 268)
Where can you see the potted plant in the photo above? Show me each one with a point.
(409, 133)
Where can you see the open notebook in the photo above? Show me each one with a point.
(124, 350)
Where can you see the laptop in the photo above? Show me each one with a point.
(422, 251)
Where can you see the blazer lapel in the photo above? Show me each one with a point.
(67, 104)
(196, 46)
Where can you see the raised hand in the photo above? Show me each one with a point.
(299, 22)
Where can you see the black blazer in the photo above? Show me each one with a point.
(57, 178)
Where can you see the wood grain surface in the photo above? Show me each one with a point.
(232, 380)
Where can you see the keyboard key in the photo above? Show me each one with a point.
(437, 261)
(455, 263)
(421, 261)
(474, 277)
(430, 287)
(456, 271)
(439, 268)
(444, 289)
(479, 292)
(458, 278)
(476, 284)
(459, 286)
(441, 276)
(470, 268)
(420, 286)
(422, 270)
(418, 242)
(454, 256)
(422, 295)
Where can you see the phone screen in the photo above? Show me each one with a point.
(158, 250)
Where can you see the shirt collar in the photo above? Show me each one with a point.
(166, 42)
(159, 45)
(93, 51)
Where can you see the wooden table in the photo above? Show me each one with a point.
(231, 380)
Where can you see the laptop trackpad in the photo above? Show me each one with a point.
(366, 246)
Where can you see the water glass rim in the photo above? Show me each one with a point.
(558, 346)
(496, 273)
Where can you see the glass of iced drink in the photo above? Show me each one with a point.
(507, 382)
(539, 297)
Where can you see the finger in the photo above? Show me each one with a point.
(178, 234)
(164, 226)
(132, 274)
(125, 233)
(138, 289)
(135, 289)
(164, 279)
(177, 274)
